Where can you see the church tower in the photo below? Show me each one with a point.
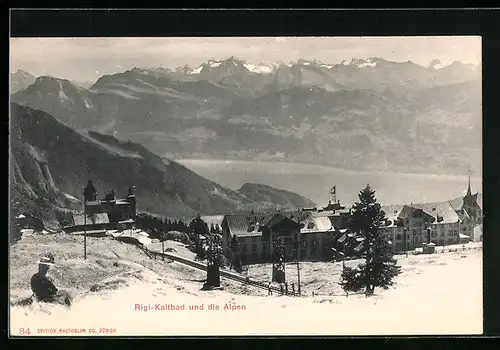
(131, 200)
(470, 203)
(469, 192)
(90, 193)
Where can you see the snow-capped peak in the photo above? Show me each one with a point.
(183, 69)
(436, 64)
(213, 63)
(22, 73)
(260, 68)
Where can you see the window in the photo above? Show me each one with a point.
(398, 237)
(304, 244)
(314, 243)
(433, 234)
(303, 253)
(254, 247)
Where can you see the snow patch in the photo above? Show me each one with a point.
(70, 197)
(116, 92)
(439, 66)
(367, 64)
(62, 95)
(261, 69)
(196, 70)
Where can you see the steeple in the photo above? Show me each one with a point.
(469, 192)
(90, 193)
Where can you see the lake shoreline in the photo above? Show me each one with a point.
(315, 181)
(185, 161)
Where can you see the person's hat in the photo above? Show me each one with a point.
(47, 259)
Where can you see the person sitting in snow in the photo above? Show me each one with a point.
(43, 286)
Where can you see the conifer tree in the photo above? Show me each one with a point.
(235, 252)
(380, 267)
(199, 228)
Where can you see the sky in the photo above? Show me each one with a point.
(86, 59)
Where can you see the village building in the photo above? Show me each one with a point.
(406, 225)
(450, 222)
(254, 231)
(29, 221)
(470, 209)
(106, 213)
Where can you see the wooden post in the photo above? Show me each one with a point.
(298, 262)
(84, 229)
(405, 230)
(163, 248)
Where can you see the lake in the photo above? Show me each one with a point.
(315, 181)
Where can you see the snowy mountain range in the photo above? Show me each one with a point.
(352, 114)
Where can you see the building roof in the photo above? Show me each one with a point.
(359, 247)
(121, 202)
(463, 214)
(250, 224)
(240, 225)
(213, 219)
(98, 218)
(317, 224)
(128, 221)
(136, 235)
(441, 209)
(91, 203)
(392, 213)
(479, 200)
(457, 203)
(444, 210)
